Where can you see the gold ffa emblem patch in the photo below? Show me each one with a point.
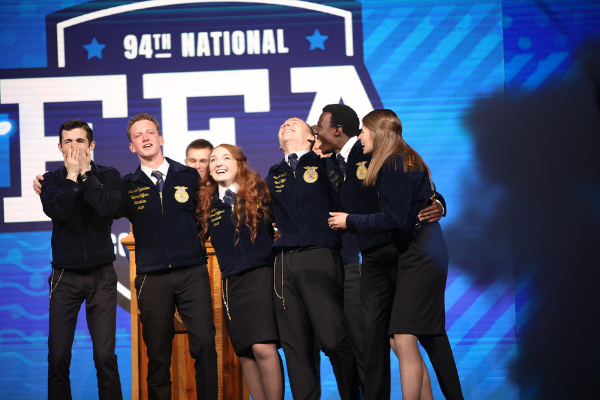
(310, 175)
(361, 171)
(181, 195)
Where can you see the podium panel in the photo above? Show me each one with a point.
(231, 381)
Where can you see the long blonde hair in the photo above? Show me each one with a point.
(386, 133)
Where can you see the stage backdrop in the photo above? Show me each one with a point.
(232, 72)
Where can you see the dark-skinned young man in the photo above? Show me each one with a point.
(337, 130)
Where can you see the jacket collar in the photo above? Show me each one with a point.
(174, 168)
(283, 165)
(357, 151)
(347, 148)
(217, 202)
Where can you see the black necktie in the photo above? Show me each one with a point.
(342, 163)
(293, 159)
(159, 179)
(229, 197)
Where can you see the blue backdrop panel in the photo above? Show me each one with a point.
(233, 72)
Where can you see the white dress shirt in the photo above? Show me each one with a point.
(345, 151)
(298, 153)
(234, 188)
(164, 167)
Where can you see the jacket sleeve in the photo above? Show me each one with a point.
(58, 198)
(195, 189)
(440, 198)
(395, 194)
(104, 198)
(122, 210)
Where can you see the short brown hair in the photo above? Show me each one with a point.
(74, 124)
(198, 144)
(142, 117)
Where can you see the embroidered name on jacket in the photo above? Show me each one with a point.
(279, 182)
(139, 198)
(334, 179)
(215, 216)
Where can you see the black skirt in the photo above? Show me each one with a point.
(249, 296)
(419, 307)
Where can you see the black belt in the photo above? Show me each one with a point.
(300, 248)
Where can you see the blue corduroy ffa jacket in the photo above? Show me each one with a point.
(356, 198)
(401, 196)
(82, 214)
(359, 199)
(164, 228)
(302, 200)
(234, 258)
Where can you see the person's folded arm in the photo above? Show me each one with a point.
(395, 193)
(104, 198)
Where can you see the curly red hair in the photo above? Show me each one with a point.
(253, 199)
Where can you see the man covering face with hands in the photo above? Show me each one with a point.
(80, 198)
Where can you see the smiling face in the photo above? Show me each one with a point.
(223, 167)
(75, 138)
(366, 140)
(198, 158)
(145, 140)
(295, 135)
(327, 134)
(317, 147)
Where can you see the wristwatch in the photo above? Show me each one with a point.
(85, 175)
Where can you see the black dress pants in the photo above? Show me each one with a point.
(354, 319)
(312, 307)
(189, 289)
(98, 287)
(379, 274)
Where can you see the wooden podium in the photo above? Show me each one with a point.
(231, 382)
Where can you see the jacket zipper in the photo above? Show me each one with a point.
(296, 204)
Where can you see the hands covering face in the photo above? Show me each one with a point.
(72, 156)
(85, 159)
(77, 161)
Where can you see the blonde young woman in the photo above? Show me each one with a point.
(418, 315)
(234, 208)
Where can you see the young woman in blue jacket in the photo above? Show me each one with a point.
(234, 209)
(418, 315)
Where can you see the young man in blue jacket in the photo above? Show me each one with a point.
(308, 267)
(159, 199)
(338, 129)
(80, 198)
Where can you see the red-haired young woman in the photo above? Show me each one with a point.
(234, 209)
